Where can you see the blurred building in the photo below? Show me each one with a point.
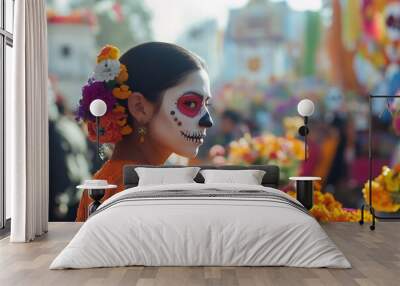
(71, 46)
(261, 41)
(205, 40)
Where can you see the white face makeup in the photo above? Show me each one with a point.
(180, 124)
(392, 20)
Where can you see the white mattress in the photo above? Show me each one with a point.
(202, 231)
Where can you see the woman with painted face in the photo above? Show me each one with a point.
(160, 109)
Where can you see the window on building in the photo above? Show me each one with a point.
(65, 51)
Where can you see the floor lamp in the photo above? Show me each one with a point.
(304, 184)
(96, 192)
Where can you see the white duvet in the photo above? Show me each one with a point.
(188, 231)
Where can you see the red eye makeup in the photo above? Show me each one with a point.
(190, 104)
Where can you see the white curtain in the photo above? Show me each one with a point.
(27, 124)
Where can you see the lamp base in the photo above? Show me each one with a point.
(96, 195)
(304, 193)
(303, 131)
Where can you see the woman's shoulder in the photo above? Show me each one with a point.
(112, 170)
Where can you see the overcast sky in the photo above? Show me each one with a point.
(172, 17)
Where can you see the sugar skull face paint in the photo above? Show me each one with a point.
(190, 104)
(181, 122)
(392, 20)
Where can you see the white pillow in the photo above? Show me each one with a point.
(248, 177)
(163, 176)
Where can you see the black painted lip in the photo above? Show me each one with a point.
(393, 21)
(193, 137)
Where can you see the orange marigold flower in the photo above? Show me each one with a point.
(381, 197)
(123, 74)
(121, 92)
(327, 209)
(126, 130)
(321, 213)
(108, 123)
(108, 52)
(122, 116)
(119, 108)
(122, 121)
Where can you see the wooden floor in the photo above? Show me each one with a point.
(375, 257)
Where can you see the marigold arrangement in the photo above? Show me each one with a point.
(285, 152)
(385, 190)
(327, 209)
(107, 84)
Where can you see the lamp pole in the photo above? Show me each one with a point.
(305, 108)
(98, 108)
(305, 138)
(98, 139)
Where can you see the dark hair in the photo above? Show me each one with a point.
(154, 67)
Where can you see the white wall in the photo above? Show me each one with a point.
(73, 70)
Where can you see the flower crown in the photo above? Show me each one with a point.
(107, 84)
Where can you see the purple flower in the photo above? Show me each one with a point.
(90, 92)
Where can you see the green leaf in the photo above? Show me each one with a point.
(111, 84)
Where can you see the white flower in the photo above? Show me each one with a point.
(106, 70)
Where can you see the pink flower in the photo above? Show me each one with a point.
(396, 124)
(217, 150)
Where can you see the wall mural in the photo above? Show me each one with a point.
(202, 92)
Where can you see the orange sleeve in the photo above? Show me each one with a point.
(83, 207)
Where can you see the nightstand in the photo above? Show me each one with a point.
(305, 190)
(96, 189)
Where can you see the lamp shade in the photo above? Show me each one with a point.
(98, 107)
(305, 108)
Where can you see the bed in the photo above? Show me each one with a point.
(198, 224)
